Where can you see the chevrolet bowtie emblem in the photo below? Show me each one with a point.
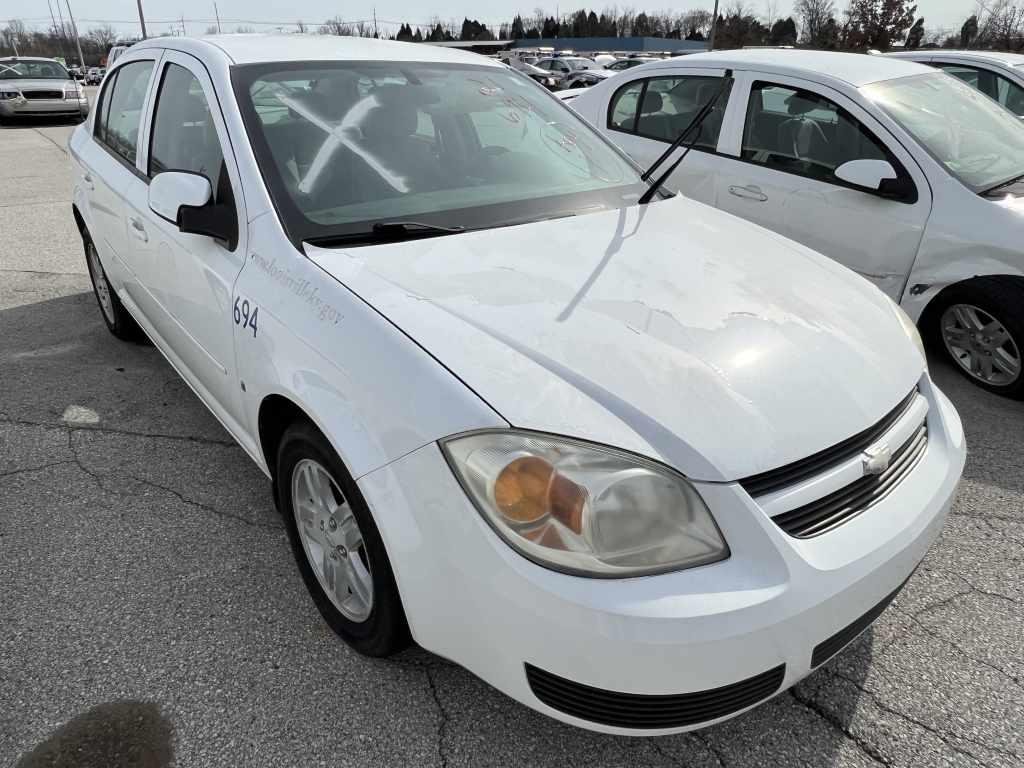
(876, 459)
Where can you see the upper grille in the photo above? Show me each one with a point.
(635, 710)
(824, 514)
(790, 474)
(43, 94)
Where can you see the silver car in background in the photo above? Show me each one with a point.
(36, 86)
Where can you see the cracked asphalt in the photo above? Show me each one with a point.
(151, 614)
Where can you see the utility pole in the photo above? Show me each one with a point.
(74, 29)
(142, 19)
(60, 34)
(714, 24)
(217, 14)
(375, 22)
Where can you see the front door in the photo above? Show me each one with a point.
(192, 276)
(780, 173)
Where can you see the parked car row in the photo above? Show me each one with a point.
(669, 457)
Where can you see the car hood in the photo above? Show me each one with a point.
(673, 330)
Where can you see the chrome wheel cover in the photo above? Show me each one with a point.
(332, 540)
(981, 345)
(99, 283)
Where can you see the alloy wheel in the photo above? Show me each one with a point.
(981, 345)
(332, 540)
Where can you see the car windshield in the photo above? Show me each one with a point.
(976, 139)
(346, 145)
(33, 70)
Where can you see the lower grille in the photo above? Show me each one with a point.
(826, 649)
(634, 710)
(43, 94)
(828, 512)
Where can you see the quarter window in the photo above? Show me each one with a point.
(993, 85)
(121, 110)
(801, 132)
(663, 107)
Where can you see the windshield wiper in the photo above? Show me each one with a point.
(387, 232)
(1001, 184)
(693, 128)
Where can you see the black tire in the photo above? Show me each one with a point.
(115, 317)
(385, 630)
(1002, 298)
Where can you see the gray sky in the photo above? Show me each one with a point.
(121, 13)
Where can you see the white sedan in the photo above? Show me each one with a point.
(902, 173)
(635, 463)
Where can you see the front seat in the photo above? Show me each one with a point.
(800, 136)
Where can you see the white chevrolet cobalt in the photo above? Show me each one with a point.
(898, 171)
(635, 462)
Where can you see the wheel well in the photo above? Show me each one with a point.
(939, 300)
(79, 221)
(276, 413)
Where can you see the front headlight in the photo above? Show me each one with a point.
(9, 95)
(582, 508)
(911, 330)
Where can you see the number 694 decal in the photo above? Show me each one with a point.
(245, 315)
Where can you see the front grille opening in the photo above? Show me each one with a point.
(634, 710)
(824, 514)
(828, 648)
(776, 479)
(43, 94)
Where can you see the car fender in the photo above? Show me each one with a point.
(374, 393)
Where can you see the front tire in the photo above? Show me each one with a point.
(337, 546)
(115, 316)
(979, 325)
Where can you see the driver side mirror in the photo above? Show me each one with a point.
(877, 176)
(186, 199)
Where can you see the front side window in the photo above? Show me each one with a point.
(992, 84)
(344, 146)
(801, 132)
(974, 138)
(33, 70)
(121, 111)
(663, 107)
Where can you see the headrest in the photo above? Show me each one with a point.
(334, 96)
(395, 116)
(800, 105)
(652, 103)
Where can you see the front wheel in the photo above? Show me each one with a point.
(337, 546)
(980, 326)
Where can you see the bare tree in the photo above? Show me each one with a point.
(814, 16)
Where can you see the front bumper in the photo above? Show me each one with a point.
(39, 107)
(469, 597)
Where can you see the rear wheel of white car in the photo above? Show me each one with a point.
(980, 326)
(337, 546)
(115, 316)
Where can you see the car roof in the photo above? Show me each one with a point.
(856, 69)
(259, 48)
(28, 58)
(996, 57)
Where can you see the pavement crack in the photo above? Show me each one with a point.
(442, 725)
(869, 750)
(114, 431)
(710, 747)
(50, 139)
(945, 738)
(26, 470)
(200, 505)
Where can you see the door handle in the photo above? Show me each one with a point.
(749, 192)
(138, 230)
(87, 181)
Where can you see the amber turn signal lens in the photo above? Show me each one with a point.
(530, 488)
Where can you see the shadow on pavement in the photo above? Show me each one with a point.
(119, 734)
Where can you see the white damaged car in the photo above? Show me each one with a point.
(635, 462)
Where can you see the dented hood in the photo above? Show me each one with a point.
(673, 330)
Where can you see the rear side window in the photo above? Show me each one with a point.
(801, 132)
(121, 110)
(993, 85)
(661, 108)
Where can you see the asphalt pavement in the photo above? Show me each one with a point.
(151, 613)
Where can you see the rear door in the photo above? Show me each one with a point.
(108, 166)
(647, 113)
(191, 277)
(779, 171)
